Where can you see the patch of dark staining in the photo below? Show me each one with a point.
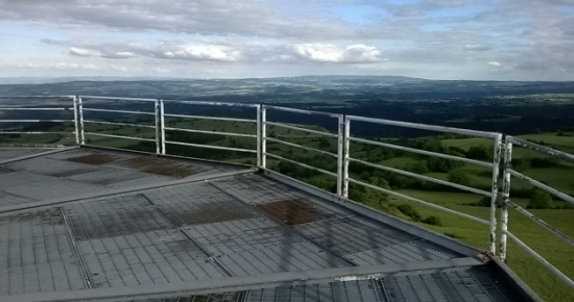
(212, 212)
(139, 163)
(94, 159)
(292, 212)
(172, 169)
(72, 172)
(4, 170)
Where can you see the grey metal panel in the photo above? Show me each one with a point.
(37, 253)
(477, 284)
(7, 199)
(126, 241)
(365, 245)
(52, 189)
(19, 154)
(109, 177)
(14, 153)
(351, 236)
(52, 167)
(199, 203)
(113, 217)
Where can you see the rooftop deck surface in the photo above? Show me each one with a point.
(90, 224)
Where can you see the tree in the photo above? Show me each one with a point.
(478, 152)
(459, 177)
(324, 143)
(539, 200)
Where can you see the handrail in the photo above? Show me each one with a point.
(339, 136)
(45, 109)
(497, 138)
(423, 152)
(343, 157)
(508, 173)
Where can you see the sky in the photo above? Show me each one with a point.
(436, 39)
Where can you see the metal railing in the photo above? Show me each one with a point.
(41, 109)
(79, 104)
(343, 155)
(497, 138)
(509, 141)
(338, 136)
(162, 116)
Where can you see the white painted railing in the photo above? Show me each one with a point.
(343, 155)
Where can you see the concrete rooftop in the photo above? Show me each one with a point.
(94, 224)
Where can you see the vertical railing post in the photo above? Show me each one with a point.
(76, 122)
(162, 126)
(346, 154)
(157, 128)
(506, 198)
(263, 137)
(259, 155)
(340, 154)
(81, 114)
(494, 199)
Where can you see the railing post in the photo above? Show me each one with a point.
(506, 198)
(494, 198)
(346, 151)
(157, 128)
(259, 155)
(340, 154)
(81, 113)
(162, 126)
(76, 122)
(263, 137)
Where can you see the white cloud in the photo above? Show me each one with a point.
(217, 53)
(475, 47)
(125, 68)
(80, 52)
(327, 53)
(60, 66)
(494, 63)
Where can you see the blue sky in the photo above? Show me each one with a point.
(443, 39)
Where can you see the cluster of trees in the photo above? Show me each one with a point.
(527, 162)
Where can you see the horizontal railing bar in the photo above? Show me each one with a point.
(423, 152)
(119, 111)
(210, 147)
(84, 97)
(301, 164)
(301, 129)
(212, 103)
(35, 96)
(229, 119)
(432, 205)
(540, 259)
(541, 222)
(36, 121)
(120, 136)
(36, 132)
(542, 186)
(302, 111)
(118, 124)
(34, 109)
(300, 146)
(210, 132)
(423, 126)
(431, 179)
(542, 149)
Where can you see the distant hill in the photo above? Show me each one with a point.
(332, 87)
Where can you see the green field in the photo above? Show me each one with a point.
(559, 176)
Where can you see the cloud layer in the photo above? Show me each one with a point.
(491, 39)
